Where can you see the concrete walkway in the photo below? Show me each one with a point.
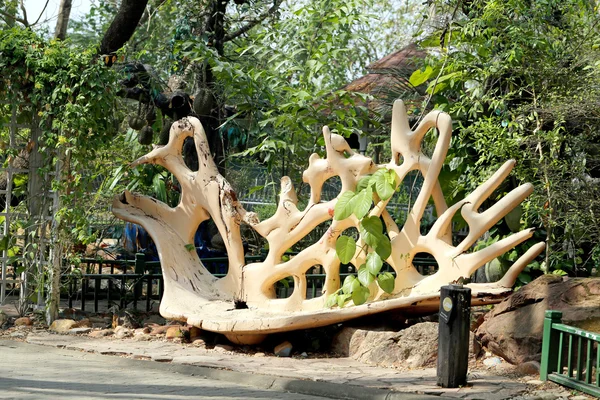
(327, 377)
(32, 372)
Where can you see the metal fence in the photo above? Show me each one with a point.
(570, 356)
(138, 283)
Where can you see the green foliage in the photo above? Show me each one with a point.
(343, 207)
(74, 95)
(345, 247)
(520, 80)
(284, 77)
(380, 185)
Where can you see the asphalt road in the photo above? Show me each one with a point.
(36, 372)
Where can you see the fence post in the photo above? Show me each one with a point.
(550, 340)
(453, 340)
(140, 269)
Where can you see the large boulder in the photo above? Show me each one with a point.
(513, 329)
(62, 325)
(413, 347)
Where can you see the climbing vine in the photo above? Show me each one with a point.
(73, 96)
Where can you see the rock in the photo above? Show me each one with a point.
(223, 348)
(79, 331)
(505, 368)
(283, 350)
(413, 347)
(535, 382)
(491, 362)
(160, 330)
(125, 319)
(199, 342)
(62, 325)
(18, 334)
(84, 323)
(121, 332)
(23, 321)
(304, 355)
(102, 333)
(142, 331)
(529, 368)
(259, 354)
(154, 319)
(195, 333)
(174, 331)
(142, 338)
(513, 329)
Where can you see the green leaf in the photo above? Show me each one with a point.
(455, 163)
(4, 243)
(419, 77)
(331, 300)
(343, 208)
(190, 247)
(374, 263)
(383, 247)
(390, 176)
(363, 183)
(361, 203)
(361, 295)
(342, 299)
(372, 233)
(20, 180)
(383, 188)
(285, 283)
(364, 276)
(160, 190)
(559, 272)
(386, 282)
(345, 247)
(350, 284)
(255, 189)
(371, 230)
(513, 219)
(524, 278)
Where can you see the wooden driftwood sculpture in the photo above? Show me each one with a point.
(193, 295)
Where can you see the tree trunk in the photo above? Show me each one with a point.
(214, 26)
(123, 26)
(57, 246)
(64, 13)
(54, 280)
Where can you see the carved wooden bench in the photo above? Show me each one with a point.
(243, 304)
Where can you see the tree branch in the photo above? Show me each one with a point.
(8, 17)
(26, 23)
(42, 13)
(123, 26)
(148, 13)
(254, 22)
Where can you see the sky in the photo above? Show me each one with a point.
(35, 7)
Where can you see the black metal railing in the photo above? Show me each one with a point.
(122, 282)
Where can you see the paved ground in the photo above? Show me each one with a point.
(329, 377)
(34, 372)
(187, 370)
